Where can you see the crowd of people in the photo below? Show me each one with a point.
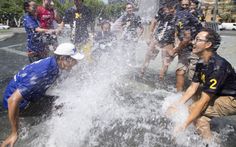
(177, 30)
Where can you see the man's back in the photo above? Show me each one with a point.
(79, 19)
(132, 21)
(33, 80)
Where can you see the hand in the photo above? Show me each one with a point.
(172, 52)
(171, 110)
(179, 129)
(58, 31)
(10, 141)
(51, 31)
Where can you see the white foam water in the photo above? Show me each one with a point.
(104, 105)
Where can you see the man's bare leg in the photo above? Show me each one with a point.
(151, 54)
(180, 80)
(166, 60)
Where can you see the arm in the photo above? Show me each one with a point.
(47, 31)
(186, 96)
(152, 28)
(153, 25)
(185, 41)
(41, 30)
(200, 105)
(181, 44)
(59, 21)
(189, 93)
(13, 114)
(141, 29)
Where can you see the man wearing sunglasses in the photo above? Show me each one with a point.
(216, 79)
(31, 83)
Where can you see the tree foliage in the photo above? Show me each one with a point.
(11, 11)
(226, 12)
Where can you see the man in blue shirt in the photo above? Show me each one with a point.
(31, 83)
(35, 47)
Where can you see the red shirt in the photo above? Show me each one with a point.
(45, 17)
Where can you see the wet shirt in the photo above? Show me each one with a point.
(160, 15)
(45, 17)
(34, 41)
(165, 33)
(82, 17)
(33, 80)
(185, 21)
(160, 18)
(131, 22)
(199, 15)
(104, 37)
(217, 77)
(104, 40)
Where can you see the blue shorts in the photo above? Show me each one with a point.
(11, 88)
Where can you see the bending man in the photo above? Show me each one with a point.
(31, 83)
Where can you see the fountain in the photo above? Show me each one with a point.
(108, 105)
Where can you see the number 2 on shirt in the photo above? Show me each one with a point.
(213, 85)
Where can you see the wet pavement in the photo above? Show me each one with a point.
(12, 59)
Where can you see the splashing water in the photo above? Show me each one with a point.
(105, 105)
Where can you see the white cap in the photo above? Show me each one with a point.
(68, 49)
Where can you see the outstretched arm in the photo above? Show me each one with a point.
(189, 93)
(199, 106)
(13, 114)
(186, 96)
(186, 40)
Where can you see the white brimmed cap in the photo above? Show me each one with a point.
(68, 49)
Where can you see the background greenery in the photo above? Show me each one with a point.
(11, 11)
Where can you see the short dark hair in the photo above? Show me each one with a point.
(129, 3)
(182, 0)
(105, 22)
(213, 37)
(195, 1)
(26, 5)
(59, 57)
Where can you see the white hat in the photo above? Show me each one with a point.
(68, 49)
